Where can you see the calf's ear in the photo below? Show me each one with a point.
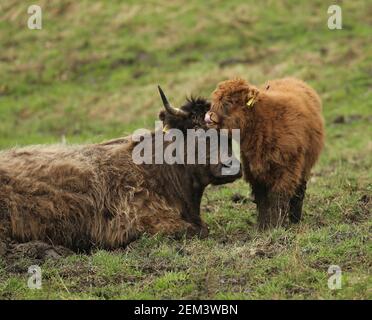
(251, 96)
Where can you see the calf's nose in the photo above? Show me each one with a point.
(207, 118)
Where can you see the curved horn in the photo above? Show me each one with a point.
(174, 111)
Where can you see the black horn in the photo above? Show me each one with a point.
(174, 111)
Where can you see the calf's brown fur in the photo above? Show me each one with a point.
(282, 135)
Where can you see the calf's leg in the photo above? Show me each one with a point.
(296, 202)
(273, 209)
(259, 192)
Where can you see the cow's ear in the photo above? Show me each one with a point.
(162, 115)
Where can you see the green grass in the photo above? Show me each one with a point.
(91, 73)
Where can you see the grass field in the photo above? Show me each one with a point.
(91, 73)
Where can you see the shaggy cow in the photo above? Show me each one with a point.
(282, 135)
(94, 195)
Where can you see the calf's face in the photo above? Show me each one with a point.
(229, 109)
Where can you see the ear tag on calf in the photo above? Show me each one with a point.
(251, 102)
(166, 129)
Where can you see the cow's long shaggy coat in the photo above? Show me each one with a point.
(282, 135)
(94, 195)
(79, 196)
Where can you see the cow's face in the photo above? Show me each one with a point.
(191, 116)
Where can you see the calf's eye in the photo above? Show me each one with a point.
(214, 117)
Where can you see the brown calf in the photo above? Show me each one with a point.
(282, 135)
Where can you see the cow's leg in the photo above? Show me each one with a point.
(39, 250)
(183, 228)
(296, 202)
(175, 226)
(197, 227)
(5, 223)
(200, 230)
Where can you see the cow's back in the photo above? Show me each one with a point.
(80, 196)
(47, 193)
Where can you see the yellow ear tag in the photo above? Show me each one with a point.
(166, 129)
(250, 102)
